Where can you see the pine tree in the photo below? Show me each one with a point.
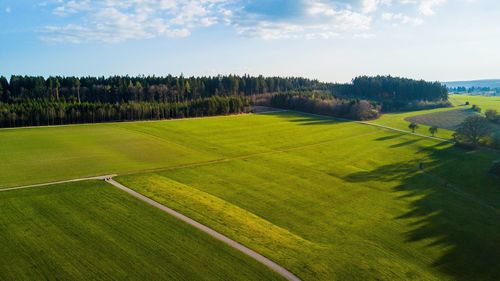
(77, 85)
(57, 86)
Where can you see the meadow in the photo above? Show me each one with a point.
(449, 119)
(483, 102)
(327, 200)
(445, 118)
(92, 231)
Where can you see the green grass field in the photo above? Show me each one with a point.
(444, 118)
(37, 155)
(327, 200)
(93, 231)
(352, 205)
(449, 119)
(483, 102)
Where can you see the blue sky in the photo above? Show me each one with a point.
(329, 40)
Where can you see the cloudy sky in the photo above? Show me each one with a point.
(325, 39)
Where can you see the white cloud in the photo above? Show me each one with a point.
(426, 7)
(112, 21)
(401, 19)
(72, 7)
(319, 21)
(369, 6)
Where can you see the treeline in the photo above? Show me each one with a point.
(36, 100)
(394, 89)
(462, 90)
(326, 105)
(179, 89)
(45, 112)
(117, 89)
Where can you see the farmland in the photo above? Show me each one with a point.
(445, 118)
(484, 103)
(449, 119)
(325, 199)
(90, 231)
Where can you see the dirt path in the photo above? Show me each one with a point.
(258, 257)
(109, 179)
(373, 124)
(57, 182)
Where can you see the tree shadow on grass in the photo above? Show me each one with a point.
(389, 137)
(437, 145)
(405, 143)
(302, 118)
(464, 231)
(313, 120)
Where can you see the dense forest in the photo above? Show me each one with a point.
(178, 89)
(388, 88)
(146, 88)
(43, 112)
(36, 100)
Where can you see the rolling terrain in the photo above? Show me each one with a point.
(93, 231)
(325, 199)
(449, 119)
(484, 103)
(445, 118)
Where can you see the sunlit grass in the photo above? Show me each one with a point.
(93, 231)
(328, 200)
(351, 206)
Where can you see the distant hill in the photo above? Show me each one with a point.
(491, 83)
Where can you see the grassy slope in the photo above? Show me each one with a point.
(398, 120)
(325, 199)
(90, 231)
(46, 154)
(484, 103)
(348, 203)
(449, 119)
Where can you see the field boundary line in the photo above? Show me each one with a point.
(124, 122)
(270, 111)
(387, 128)
(229, 159)
(370, 124)
(180, 166)
(258, 257)
(56, 182)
